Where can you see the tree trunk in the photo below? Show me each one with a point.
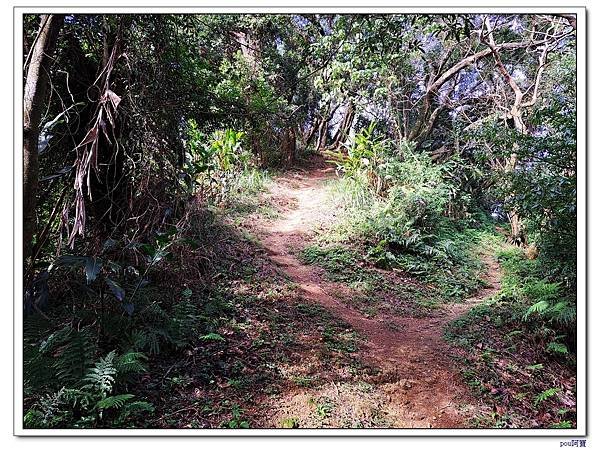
(288, 145)
(310, 133)
(36, 85)
(517, 234)
(324, 126)
(322, 135)
(344, 128)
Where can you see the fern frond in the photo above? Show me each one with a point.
(130, 362)
(134, 409)
(557, 347)
(543, 396)
(115, 401)
(536, 308)
(78, 398)
(74, 357)
(184, 322)
(150, 340)
(35, 327)
(563, 313)
(47, 412)
(38, 370)
(56, 339)
(213, 337)
(102, 375)
(136, 340)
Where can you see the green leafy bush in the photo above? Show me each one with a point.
(214, 163)
(397, 201)
(363, 159)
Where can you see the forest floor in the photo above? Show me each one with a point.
(265, 314)
(310, 335)
(412, 381)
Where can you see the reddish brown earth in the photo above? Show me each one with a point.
(417, 383)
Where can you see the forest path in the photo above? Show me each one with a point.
(416, 381)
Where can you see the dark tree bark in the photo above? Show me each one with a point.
(324, 126)
(36, 86)
(310, 133)
(288, 145)
(344, 128)
(321, 135)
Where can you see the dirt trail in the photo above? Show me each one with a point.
(421, 387)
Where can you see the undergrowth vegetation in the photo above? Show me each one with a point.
(517, 348)
(402, 207)
(218, 168)
(546, 306)
(93, 322)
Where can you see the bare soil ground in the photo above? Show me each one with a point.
(413, 382)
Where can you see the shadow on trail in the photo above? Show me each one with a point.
(294, 354)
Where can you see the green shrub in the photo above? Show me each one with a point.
(213, 164)
(396, 202)
(364, 158)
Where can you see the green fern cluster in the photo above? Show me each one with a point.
(562, 312)
(159, 329)
(184, 323)
(545, 305)
(60, 359)
(71, 387)
(71, 380)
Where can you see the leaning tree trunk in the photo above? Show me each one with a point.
(36, 85)
(321, 135)
(344, 128)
